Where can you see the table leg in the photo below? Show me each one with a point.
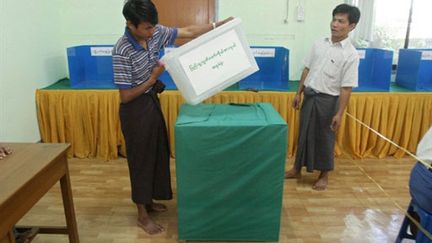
(68, 206)
(9, 238)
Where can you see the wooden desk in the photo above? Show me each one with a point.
(25, 177)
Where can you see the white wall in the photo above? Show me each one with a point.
(92, 22)
(31, 56)
(34, 35)
(264, 24)
(33, 40)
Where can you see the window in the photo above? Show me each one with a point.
(390, 26)
(421, 31)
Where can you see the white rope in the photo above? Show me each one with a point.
(418, 224)
(393, 143)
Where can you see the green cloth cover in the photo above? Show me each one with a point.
(230, 163)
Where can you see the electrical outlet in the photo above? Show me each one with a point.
(300, 13)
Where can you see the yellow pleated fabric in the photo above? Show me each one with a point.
(89, 120)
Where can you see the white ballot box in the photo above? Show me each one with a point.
(211, 62)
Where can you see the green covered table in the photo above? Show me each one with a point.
(230, 162)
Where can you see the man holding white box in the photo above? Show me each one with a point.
(136, 71)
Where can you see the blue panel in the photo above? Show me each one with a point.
(87, 71)
(165, 77)
(375, 70)
(273, 71)
(412, 72)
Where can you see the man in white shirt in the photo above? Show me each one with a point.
(330, 73)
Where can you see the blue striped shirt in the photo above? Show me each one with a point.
(132, 63)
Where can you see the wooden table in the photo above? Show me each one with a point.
(25, 177)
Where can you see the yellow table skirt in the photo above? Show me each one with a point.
(89, 120)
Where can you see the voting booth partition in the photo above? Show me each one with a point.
(230, 162)
(374, 69)
(273, 73)
(165, 77)
(213, 62)
(90, 66)
(414, 70)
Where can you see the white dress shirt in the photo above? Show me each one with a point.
(332, 66)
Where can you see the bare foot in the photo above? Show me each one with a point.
(293, 173)
(144, 221)
(156, 207)
(4, 151)
(321, 183)
(149, 226)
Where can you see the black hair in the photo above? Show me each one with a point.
(352, 11)
(138, 11)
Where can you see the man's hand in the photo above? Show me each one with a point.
(296, 101)
(335, 123)
(343, 102)
(127, 95)
(156, 72)
(225, 20)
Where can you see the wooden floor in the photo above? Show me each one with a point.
(359, 205)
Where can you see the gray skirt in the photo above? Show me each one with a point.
(315, 149)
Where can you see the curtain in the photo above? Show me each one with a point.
(362, 35)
